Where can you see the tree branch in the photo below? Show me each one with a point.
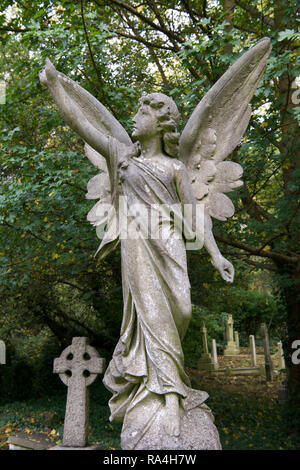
(257, 251)
(256, 13)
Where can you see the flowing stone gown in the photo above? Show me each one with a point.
(148, 360)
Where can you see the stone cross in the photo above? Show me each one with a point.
(2, 352)
(280, 356)
(231, 348)
(268, 360)
(230, 328)
(78, 366)
(205, 362)
(252, 350)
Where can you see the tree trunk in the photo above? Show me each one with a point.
(292, 298)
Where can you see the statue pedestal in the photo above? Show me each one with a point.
(144, 426)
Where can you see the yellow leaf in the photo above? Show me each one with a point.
(27, 430)
(286, 164)
(53, 432)
(264, 124)
(51, 194)
(8, 430)
(245, 139)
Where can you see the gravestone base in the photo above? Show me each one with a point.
(93, 447)
(206, 362)
(231, 349)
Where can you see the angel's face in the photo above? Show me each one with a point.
(145, 122)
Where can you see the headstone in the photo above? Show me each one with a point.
(268, 361)
(231, 349)
(252, 350)
(224, 327)
(237, 341)
(214, 352)
(2, 352)
(281, 360)
(205, 362)
(78, 367)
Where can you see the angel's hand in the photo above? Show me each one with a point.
(224, 267)
(49, 74)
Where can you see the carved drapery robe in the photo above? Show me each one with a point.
(148, 360)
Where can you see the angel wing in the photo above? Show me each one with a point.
(99, 187)
(215, 128)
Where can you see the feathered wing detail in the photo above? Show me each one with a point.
(99, 187)
(216, 127)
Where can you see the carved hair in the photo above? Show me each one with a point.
(167, 116)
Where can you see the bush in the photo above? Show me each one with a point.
(29, 369)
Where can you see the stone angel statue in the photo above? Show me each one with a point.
(157, 168)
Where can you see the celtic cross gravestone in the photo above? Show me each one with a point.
(78, 367)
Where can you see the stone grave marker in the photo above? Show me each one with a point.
(2, 352)
(252, 350)
(214, 352)
(231, 349)
(205, 362)
(280, 356)
(237, 341)
(78, 367)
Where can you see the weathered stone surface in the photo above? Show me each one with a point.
(78, 367)
(231, 348)
(252, 350)
(280, 353)
(214, 352)
(33, 441)
(197, 430)
(2, 352)
(206, 362)
(237, 341)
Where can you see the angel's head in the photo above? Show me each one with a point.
(158, 115)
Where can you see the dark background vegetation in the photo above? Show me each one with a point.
(51, 286)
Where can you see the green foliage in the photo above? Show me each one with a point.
(29, 369)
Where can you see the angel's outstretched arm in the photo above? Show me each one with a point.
(186, 195)
(71, 112)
